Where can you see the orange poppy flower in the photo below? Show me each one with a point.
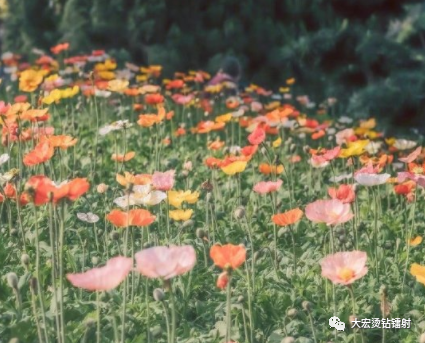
(59, 48)
(212, 162)
(42, 152)
(35, 115)
(77, 188)
(228, 256)
(288, 217)
(267, 169)
(154, 99)
(138, 217)
(249, 150)
(62, 141)
(123, 158)
(318, 134)
(180, 132)
(216, 145)
(175, 84)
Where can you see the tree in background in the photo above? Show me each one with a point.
(367, 53)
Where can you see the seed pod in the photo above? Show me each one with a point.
(25, 259)
(158, 294)
(12, 280)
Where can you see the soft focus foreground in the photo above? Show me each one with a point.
(142, 209)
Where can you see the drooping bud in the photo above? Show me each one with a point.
(25, 259)
(158, 294)
(222, 280)
(306, 305)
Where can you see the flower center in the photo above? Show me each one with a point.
(345, 274)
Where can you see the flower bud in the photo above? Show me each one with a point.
(115, 235)
(158, 294)
(239, 212)
(90, 322)
(306, 305)
(292, 312)
(187, 224)
(241, 299)
(25, 259)
(12, 280)
(95, 260)
(33, 285)
(206, 185)
(422, 338)
(288, 340)
(102, 188)
(14, 340)
(223, 280)
(200, 233)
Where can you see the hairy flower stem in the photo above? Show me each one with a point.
(228, 310)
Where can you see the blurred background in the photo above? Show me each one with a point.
(369, 54)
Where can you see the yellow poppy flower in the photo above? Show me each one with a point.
(181, 215)
(29, 80)
(118, 85)
(419, 272)
(224, 118)
(415, 241)
(354, 148)
(368, 124)
(284, 89)
(277, 143)
(176, 198)
(234, 168)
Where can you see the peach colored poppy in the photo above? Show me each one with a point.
(228, 256)
(104, 278)
(345, 193)
(163, 181)
(288, 218)
(165, 262)
(265, 187)
(344, 267)
(137, 217)
(330, 212)
(123, 158)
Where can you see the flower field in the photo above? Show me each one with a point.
(135, 208)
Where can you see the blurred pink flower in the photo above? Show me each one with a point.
(331, 154)
(345, 136)
(103, 278)
(345, 193)
(182, 99)
(264, 187)
(331, 212)
(344, 267)
(163, 181)
(257, 136)
(412, 156)
(165, 262)
(419, 179)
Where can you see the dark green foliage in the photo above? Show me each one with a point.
(368, 54)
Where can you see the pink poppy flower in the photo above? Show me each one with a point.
(182, 99)
(331, 154)
(103, 278)
(318, 161)
(345, 136)
(367, 179)
(369, 169)
(344, 267)
(419, 179)
(264, 187)
(331, 212)
(412, 156)
(165, 262)
(257, 136)
(344, 193)
(163, 181)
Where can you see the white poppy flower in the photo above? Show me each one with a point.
(366, 179)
